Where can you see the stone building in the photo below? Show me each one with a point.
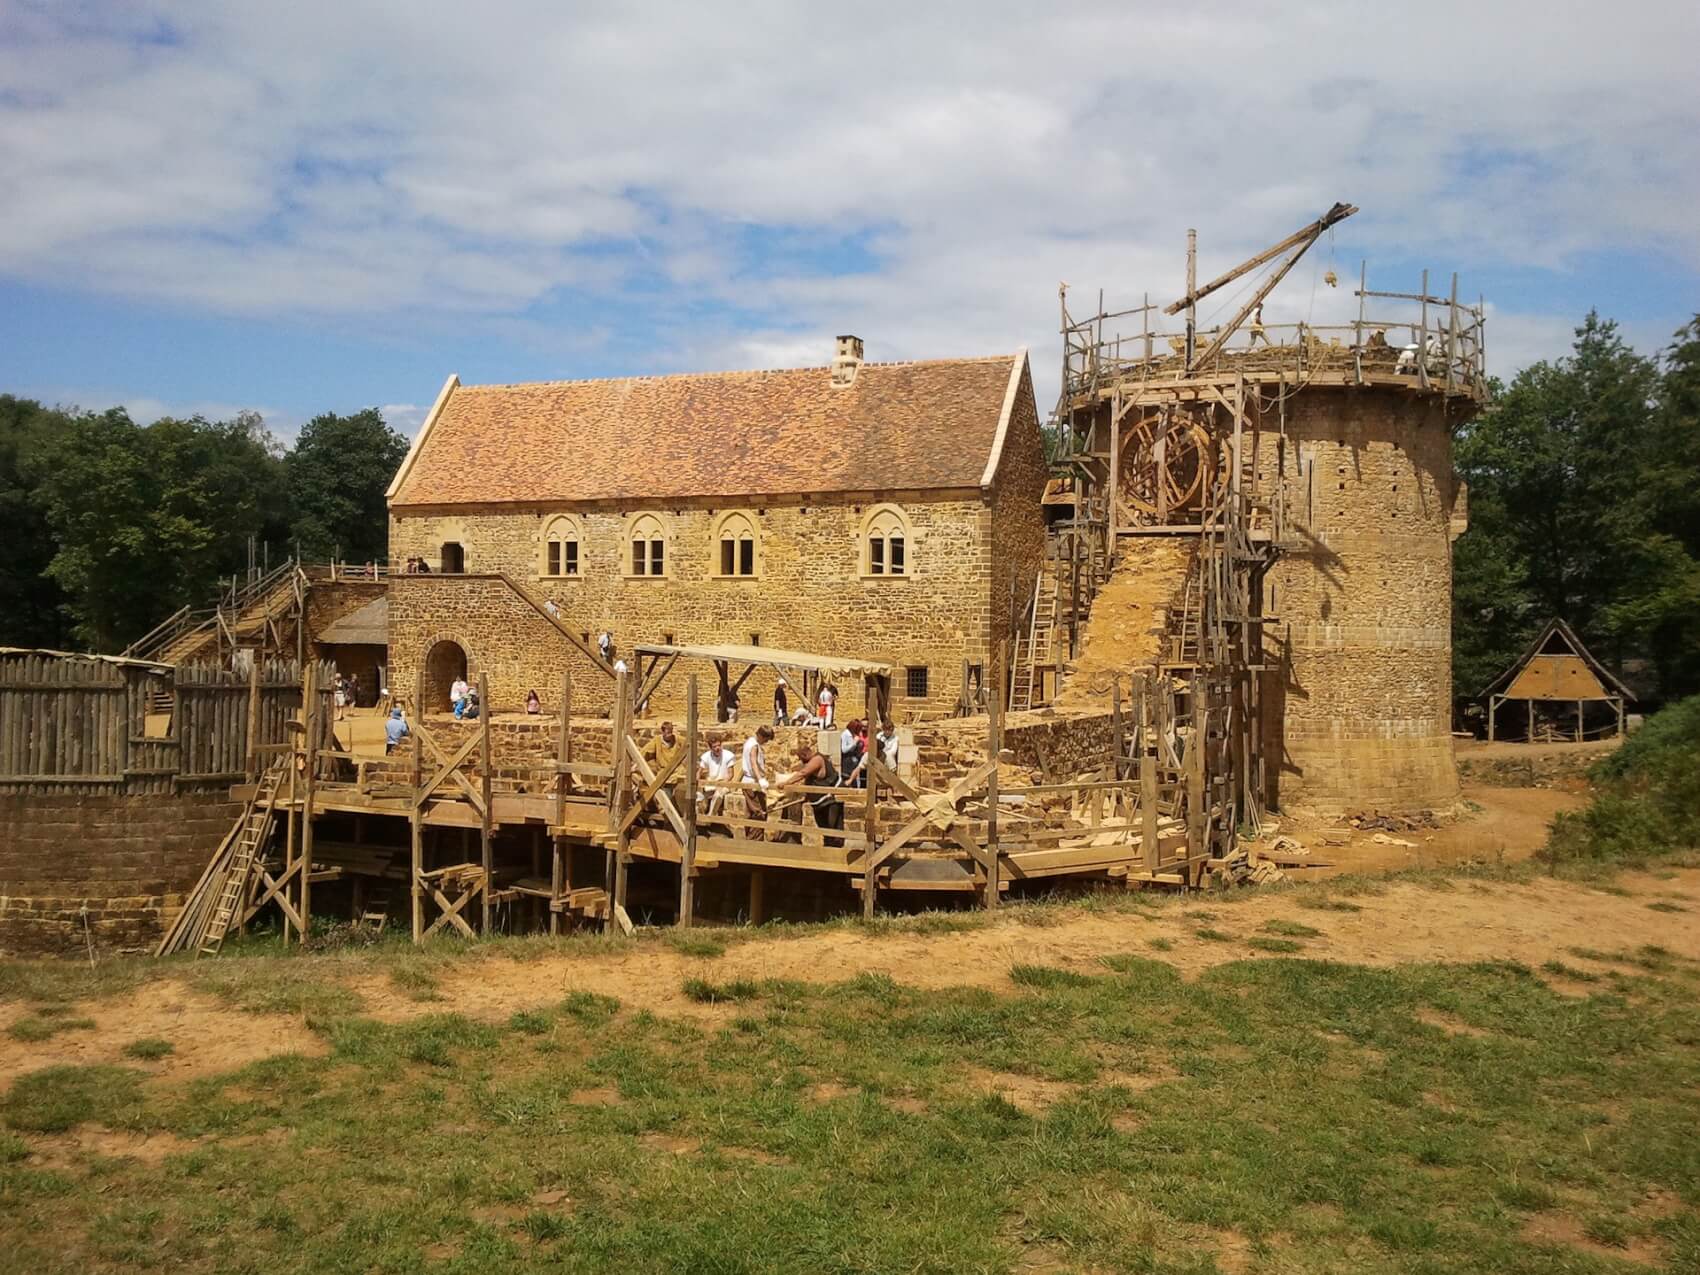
(880, 510)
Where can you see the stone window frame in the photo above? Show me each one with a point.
(655, 529)
(560, 529)
(878, 523)
(718, 536)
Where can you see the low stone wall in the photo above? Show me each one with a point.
(1532, 766)
(106, 868)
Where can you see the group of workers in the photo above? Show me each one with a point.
(721, 772)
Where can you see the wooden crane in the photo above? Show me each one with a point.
(1296, 243)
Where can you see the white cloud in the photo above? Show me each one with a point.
(386, 163)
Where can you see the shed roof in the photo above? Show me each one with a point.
(1556, 641)
(897, 427)
(368, 626)
(840, 665)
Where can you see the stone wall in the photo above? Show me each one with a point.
(809, 593)
(1017, 514)
(128, 860)
(1362, 692)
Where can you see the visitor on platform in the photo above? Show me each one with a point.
(714, 771)
(661, 752)
(395, 730)
(552, 608)
(853, 754)
(533, 705)
(886, 741)
(605, 644)
(730, 708)
(781, 706)
(457, 695)
(828, 700)
(816, 770)
(755, 777)
(802, 717)
(470, 704)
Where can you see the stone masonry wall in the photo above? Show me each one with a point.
(1363, 592)
(1017, 515)
(808, 594)
(128, 860)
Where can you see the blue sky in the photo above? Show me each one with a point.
(212, 207)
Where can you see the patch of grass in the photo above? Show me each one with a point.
(1604, 1228)
(1663, 905)
(590, 1008)
(1048, 976)
(706, 993)
(1160, 944)
(694, 943)
(1324, 904)
(542, 1227)
(43, 1025)
(1560, 970)
(1263, 944)
(149, 1048)
(416, 982)
(1212, 936)
(58, 1098)
(531, 1022)
(1531, 1197)
(1291, 929)
(13, 1148)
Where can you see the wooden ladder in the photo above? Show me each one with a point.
(376, 913)
(1035, 650)
(256, 828)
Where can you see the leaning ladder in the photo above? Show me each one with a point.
(243, 856)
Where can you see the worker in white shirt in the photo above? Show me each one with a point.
(755, 778)
(714, 772)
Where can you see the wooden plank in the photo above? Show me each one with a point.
(486, 711)
(688, 856)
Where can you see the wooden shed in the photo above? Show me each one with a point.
(1556, 669)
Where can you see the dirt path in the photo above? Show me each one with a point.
(1405, 922)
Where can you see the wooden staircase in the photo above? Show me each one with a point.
(375, 915)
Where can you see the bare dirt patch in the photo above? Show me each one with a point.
(602, 1096)
(670, 1143)
(827, 1090)
(207, 1036)
(60, 1150)
(1029, 1093)
(1451, 1024)
(1562, 1229)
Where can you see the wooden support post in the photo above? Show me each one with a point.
(688, 853)
(1529, 708)
(1118, 742)
(1493, 710)
(994, 746)
(870, 803)
(416, 820)
(1148, 771)
(485, 712)
(289, 831)
(617, 790)
(1579, 721)
(1620, 717)
(1197, 816)
(310, 700)
(253, 766)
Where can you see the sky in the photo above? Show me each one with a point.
(308, 207)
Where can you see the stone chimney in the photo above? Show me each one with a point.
(846, 359)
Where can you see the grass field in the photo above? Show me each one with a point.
(1274, 1111)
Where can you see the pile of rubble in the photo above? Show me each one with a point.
(1251, 863)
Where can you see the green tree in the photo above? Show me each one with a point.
(32, 615)
(1583, 477)
(148, 519)
(338, 472)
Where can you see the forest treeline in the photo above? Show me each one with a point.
(109, 526)
(1584, 476)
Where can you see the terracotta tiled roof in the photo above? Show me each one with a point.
(904, 426)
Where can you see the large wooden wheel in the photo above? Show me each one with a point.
(1175, 483)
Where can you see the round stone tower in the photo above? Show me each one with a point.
(1358, 658)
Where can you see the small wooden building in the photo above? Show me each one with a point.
(1557, 669)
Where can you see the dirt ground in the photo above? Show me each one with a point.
(1397, 923)
(1504, 825)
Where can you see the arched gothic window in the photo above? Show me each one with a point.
(885, 541)
(563, 548)
(737, 546)
(648, 541)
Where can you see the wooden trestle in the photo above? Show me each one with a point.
(1150, 814)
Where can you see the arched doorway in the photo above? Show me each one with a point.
(445, 662)
(451, 559)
